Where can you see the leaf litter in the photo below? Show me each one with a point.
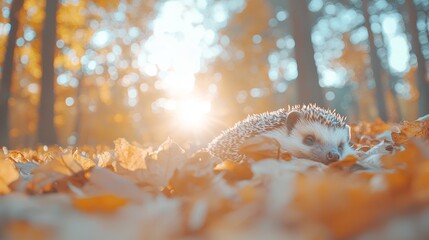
(131, 192)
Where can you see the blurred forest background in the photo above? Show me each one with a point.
(77, 72)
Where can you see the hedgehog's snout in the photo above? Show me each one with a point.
(332, 156)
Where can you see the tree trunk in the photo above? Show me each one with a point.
(422, 83)
(309, 90)
(393, 80)
(46, 128)
(8, 67)
(375, 66)
(77, 125)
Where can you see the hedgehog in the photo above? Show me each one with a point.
(304, 131)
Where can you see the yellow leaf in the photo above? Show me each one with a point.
(130, 156)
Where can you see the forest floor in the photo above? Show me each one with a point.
(131, 192)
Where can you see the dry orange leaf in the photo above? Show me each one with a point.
(260, 147)
(344, 164)
(379, 126)
(285, 156)
(17, 156)
(234, 171)
(419, 129)
(8, 174)
(186, 183)
(99, 204)
(415, 151)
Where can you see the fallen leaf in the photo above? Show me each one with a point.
(99, 204)
(195, 175)
(47, 177)
(17, 156)
(415, 151)
(234, 171)
(346, 164)
(130, 156)
(286, 156)
(83, 161)
(104, 159)
(162, 163)
(103, 181)
(185, 183)
(407, 130)
(8, 174)
(260, 147)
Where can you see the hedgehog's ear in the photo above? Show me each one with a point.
(292, 118)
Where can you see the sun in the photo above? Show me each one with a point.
(193, 113)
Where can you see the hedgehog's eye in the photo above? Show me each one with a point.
(341, 147)
(309, 140)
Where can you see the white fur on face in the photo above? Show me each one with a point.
(326, 135)
(327, 139)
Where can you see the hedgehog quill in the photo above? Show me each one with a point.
(305, 131)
